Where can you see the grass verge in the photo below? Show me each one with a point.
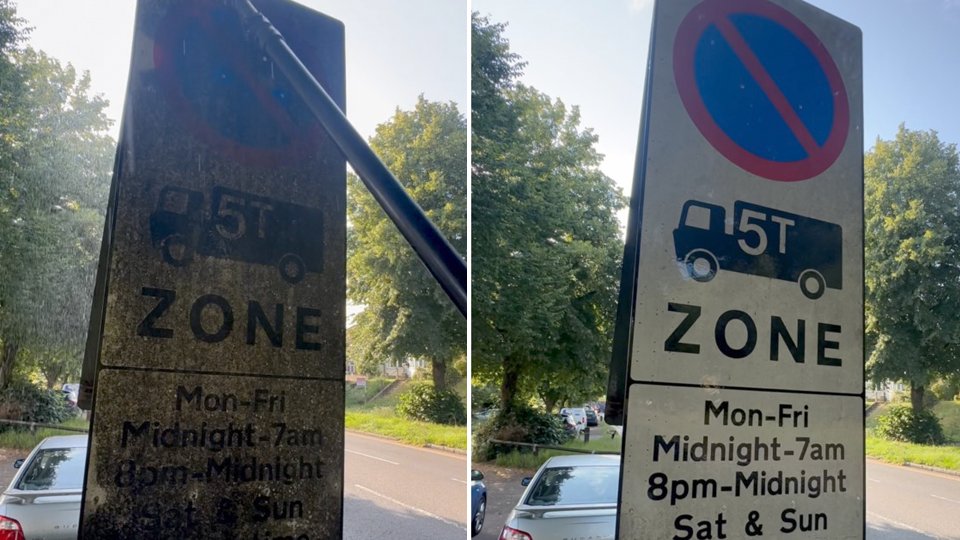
(525, 459)
(383, 421)
(24, 440)
(945, 457)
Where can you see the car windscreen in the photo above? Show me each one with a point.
(575, 486)
(54, 468)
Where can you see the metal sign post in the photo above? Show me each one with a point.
(218, 399)
(738, 361)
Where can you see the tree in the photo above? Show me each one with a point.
(407, 313)
(912, 260)
(546, 244)
(55, 165)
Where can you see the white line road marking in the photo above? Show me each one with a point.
(373, 457)
(945, 499)
(904, 525)
(872, 480)
(464, 482)
(414, 508)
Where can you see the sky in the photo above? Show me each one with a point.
(593, 54)
(394, 50)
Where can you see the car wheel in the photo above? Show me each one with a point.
(478, 517)
(701, 265)
(292, 268)
(814, 290)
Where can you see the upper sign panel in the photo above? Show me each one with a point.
(228, 248)
(751, 254)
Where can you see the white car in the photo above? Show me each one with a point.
(43, 500)
(570, 497)
(578, 413)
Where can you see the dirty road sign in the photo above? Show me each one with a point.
(218, 399)
(738, 355)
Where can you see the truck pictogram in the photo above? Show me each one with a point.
(762, 242)
(239, 226)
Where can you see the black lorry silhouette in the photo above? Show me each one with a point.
(239, 226)
(765, 242)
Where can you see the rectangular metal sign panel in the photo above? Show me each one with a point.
(747, 250)
(750, 255)
(712, 463)
(218, 402)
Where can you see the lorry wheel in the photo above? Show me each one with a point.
(292, 268)
(812, 290)
(175, 250)
(701, 265)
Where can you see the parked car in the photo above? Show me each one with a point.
(592, 419)
(478, 502)
(578, 413)
(570, 425)
(43, 500)
(577, 493)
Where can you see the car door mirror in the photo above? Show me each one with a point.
(525, 481)
(476, 475)
(18, 463)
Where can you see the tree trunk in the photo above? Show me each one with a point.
(549, 402)
(439, 374)
(916, 396)
(7, 361)
(508, 387)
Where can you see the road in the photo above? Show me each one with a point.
(397, 491)
(902, 503)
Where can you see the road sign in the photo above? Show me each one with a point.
(760, 86)
(743, 272)
(218, 401)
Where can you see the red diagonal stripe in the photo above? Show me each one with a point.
(742, 49)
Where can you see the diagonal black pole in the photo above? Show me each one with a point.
(440, 258)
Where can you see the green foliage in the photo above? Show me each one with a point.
(356, 395)
(460, 368)
(25, 401)
(906, 425)
(484, 397)
(407, 314)
(520, 423)
(546, 250)
(946, 388)
(903, 396)
(385, 422)
(912, 243)
(425, 403)
(55, 164)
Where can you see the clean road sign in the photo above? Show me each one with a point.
(738, 355)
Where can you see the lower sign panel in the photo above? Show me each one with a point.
(213, 456)
(705, 463)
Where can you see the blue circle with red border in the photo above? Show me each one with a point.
(761, 88)
(221, 88)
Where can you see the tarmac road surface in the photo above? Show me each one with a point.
(397, 491)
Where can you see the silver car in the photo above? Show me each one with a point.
(43, 500)
(570, 497)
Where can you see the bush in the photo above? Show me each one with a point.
(906, 425)
(25, 401)
(523, 424)
(425, 403)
